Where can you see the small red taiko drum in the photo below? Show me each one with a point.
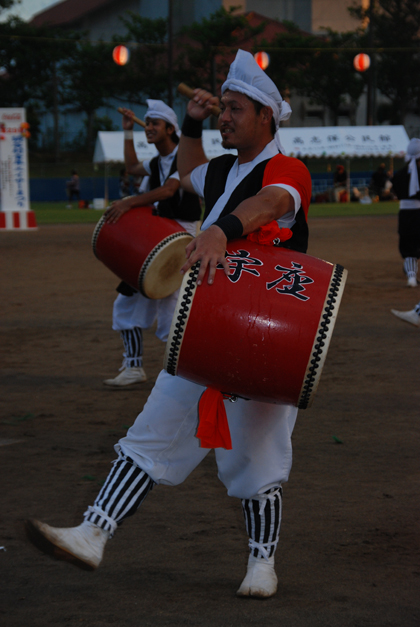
(263, 332)
(144, 250)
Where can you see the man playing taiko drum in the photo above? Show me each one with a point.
(132, 311)
(243, 196)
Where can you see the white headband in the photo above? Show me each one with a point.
(246, 77)
(157, 109)
(412, 154)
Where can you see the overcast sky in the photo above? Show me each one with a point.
(27, 8)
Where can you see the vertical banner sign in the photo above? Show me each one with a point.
(14, 184)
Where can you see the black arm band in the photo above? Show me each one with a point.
(192, 128)
(231, 226)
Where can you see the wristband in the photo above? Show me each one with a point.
(128, 134)
(192, 128)
(231, 226)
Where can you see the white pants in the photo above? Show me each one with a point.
(139, 311)
(162, 440)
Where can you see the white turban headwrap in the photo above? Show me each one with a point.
(246, 77)
(157, 109)
(412, 154)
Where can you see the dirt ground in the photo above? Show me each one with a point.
(349, 545)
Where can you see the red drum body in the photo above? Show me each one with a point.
(263, 332)
(144, 250)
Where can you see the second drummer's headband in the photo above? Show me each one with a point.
(157, 109)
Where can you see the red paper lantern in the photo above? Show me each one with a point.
(262, 59)
(121, 55)
(361, 62)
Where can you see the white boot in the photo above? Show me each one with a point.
(129, 376)
(260, 579)
(408, 316)
(83, 546)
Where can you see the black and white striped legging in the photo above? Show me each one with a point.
(133, 345)
(411, 266)
(262, 520)
(128, 485)
(125, 489)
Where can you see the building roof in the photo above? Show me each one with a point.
(67, 12)
(271, 27)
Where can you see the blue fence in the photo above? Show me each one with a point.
(54, 189)
(322, 182)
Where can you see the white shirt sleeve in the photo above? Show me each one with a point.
(146, 166)
(144, 185)
(198, 179)
(293, 192)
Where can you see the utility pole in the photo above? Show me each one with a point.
(170, 52)
(56, 114)
(370, 114)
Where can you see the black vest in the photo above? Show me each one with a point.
(186, 208)
(214, 187)
(401, 184)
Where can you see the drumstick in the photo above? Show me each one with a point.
(187, 91)
(137, 120)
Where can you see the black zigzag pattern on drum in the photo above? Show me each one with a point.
(133, 345)
(322, 335)
(122, 494)
(262, 522)
(181, 317)
(96, 232)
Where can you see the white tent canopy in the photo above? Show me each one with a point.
(109, 146)
(321, 141)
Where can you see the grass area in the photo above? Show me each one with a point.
(333, 209)
(57, 212)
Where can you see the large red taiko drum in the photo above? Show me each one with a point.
(263, 332)
(144, 250)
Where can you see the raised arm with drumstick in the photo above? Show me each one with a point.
(162, 134)
(131, 311)
(249, 129)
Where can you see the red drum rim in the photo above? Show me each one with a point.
(319, 349)
(151, 257)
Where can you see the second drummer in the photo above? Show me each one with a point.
(160, 187)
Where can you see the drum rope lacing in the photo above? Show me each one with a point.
(323, 332)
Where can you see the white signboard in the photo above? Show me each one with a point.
(14, 185)
(344, 141)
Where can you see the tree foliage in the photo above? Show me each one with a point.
(84, 61)
(51, 70)
(396, 38)
(328, 77)
(206, 48)
(146, 76)
(6, 4)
